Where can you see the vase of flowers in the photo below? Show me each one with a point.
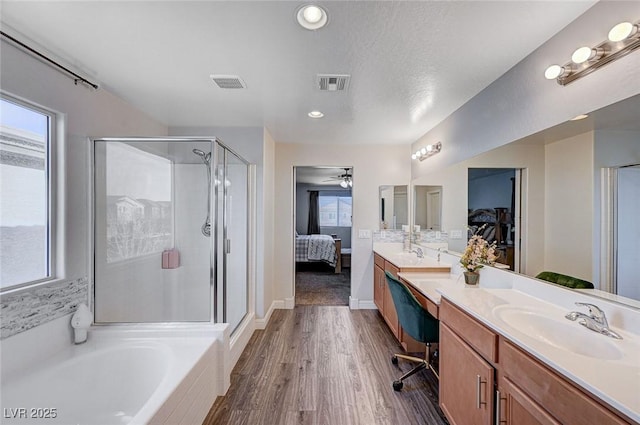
(478, 253)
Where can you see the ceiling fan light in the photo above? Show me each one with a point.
(350, 183)
(344, 184)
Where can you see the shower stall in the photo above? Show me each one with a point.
(170, 231)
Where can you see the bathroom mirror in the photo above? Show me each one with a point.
(580, 180)
(393, 207)
(427, 207)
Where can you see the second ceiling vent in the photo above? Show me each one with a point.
(333, 82)
(228, 81)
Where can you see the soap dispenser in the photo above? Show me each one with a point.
(80, 322)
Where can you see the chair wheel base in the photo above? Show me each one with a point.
(394, 360)
(397, 385)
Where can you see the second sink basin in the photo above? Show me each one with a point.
(568, 336)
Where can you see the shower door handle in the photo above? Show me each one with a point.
(227, 247)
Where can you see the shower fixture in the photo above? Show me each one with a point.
(206, 160)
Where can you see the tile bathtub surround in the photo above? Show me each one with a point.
(23, 310)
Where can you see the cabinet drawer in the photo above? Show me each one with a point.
(391, 269)
(378, 260)
(567, 403)
(473, 332)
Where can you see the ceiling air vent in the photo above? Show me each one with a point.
(333, 82)
(228, 81)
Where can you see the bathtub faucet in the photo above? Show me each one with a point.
(80, 322)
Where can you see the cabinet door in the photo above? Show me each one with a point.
(466, 382)
(390, 314)
(515, 407)
(378, 287)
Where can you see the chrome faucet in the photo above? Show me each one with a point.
(595, 320)
(419, 252)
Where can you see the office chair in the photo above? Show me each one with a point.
(564, 280)
(417, 322)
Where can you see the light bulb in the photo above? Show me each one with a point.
(311, 17)
(579, 117)
(429, 148)
(312, 14)
(553, 72)
(343, 184)
(423, 151)
(413, 156)
(622, 31)
(582, 55)
(315, 114)
(418, 153)
(350, 183)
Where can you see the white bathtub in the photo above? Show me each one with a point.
(122, 376)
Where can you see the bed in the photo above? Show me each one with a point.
(319, 248)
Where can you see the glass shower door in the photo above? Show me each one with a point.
(232, 223)
(152, 256)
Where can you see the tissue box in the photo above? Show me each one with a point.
(170, 259)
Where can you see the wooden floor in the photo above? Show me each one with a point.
(324, 365)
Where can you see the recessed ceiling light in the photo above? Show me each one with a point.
(315, 114)
(311, 17)
(579, 117)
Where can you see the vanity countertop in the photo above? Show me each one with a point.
(409, 260)
(606, 367)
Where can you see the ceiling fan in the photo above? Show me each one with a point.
(346, 180)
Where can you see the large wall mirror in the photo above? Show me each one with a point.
(580, 200)
(427, 207)
(393, 205)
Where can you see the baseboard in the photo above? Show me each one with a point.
(289, 303)
(240, 339)
(262, 322)
(356, 304)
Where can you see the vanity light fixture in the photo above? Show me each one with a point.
(311, 17)
(622, 39)
(315, 114)
(427, 151)
(579, 117)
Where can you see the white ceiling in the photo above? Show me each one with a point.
(321, 176)
(412, 63)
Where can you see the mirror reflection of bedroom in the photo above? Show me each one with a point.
(323, 206)
(494, 210)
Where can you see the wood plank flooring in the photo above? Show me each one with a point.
(324, 365)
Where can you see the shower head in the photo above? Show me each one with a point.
(205, 156)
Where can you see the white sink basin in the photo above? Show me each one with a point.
(558, 332)
(405, 259)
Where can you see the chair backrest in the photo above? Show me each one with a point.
(414, 318)
(564, 280)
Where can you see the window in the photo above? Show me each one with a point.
(26, 189)
(335, 211)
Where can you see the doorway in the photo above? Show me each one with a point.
(494, 211)
(323, 207)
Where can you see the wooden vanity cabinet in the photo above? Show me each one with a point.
(478, 366)
(379, 282)
(515, 407)
(382, 294)
(467, 368)
(547, 391)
